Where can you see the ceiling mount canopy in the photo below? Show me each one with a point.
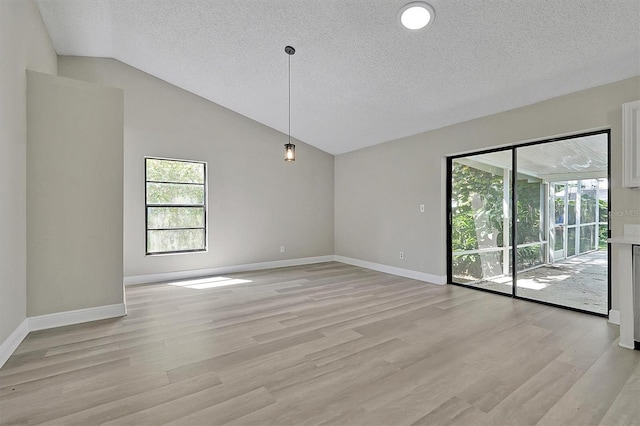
(289, 148)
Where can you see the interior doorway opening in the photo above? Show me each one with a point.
(549, 200)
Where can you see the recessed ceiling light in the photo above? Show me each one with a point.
(417, 15)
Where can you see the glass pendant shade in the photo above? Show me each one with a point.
(289, 152)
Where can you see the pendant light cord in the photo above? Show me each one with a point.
(289, 98)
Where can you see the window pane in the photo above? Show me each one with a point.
(589, 189)
(480, 206)
(544, 273)
(602, 236)
(571, 241)
(174, 171)
(175, 240)
(558, 204)
(587, 238)
(588, 209)
(171, 193)
(573, 189)
(175, 217)
(529, 213)
(603, 203)
(572, 212)
(477, 206)
(559, 245)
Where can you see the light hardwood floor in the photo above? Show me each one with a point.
(328, 344)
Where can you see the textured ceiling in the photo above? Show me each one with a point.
(358, 78)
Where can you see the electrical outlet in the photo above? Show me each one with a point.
(421, 208)
(281, 249)
(401, 255)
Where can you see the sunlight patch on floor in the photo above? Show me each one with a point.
(537, 283)
(210, 282)
(531, 284)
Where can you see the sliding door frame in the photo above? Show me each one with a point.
(514, 216)
(449, 216)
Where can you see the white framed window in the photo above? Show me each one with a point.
(175, 206)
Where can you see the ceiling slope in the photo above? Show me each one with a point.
(358, 78)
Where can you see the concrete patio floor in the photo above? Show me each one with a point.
(579, 282)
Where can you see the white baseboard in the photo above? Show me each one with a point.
(60, 319)
(408, 273)
(13, 341)
(195, 273)
(614, 317)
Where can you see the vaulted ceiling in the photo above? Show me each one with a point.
(358, 78)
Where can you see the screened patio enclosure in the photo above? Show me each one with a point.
(559, 229)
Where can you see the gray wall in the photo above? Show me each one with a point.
(378, 189)
(257, 202)
(74, 194)
(24, 44)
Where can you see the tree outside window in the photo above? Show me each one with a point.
(176, 219)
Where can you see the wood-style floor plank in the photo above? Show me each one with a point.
(325, 344)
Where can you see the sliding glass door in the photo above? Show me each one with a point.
(480, 218)
(549, 200)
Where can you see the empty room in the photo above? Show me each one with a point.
(306, 212)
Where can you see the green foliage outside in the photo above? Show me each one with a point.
(175, 217)
(587, 208)
(174, 171)
(175, 240)
(178, 183)
(171, 193)
(529, 226)
(603, 206)
(468, 182)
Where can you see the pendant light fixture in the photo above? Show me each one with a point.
(289, 148)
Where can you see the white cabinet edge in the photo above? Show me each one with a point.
(631, 144)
